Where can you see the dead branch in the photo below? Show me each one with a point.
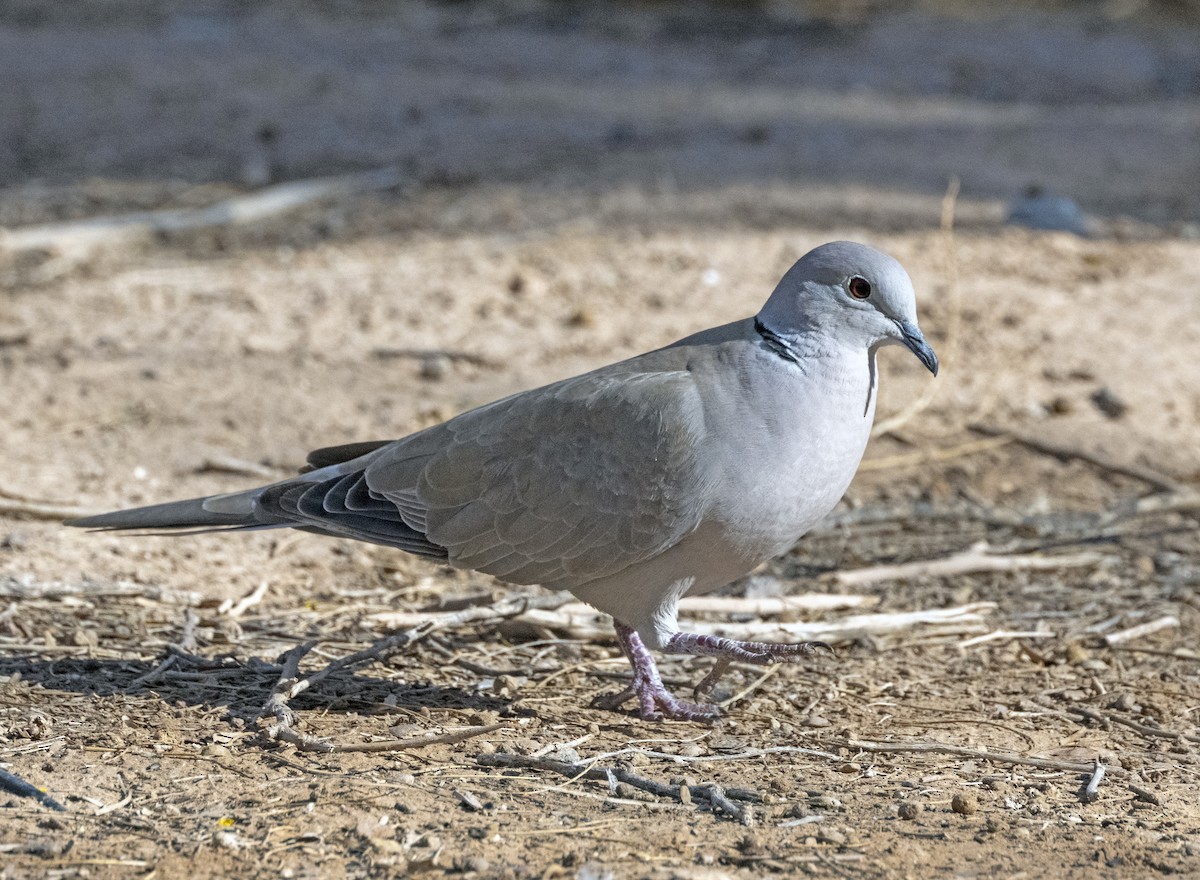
(290, 685)
(745, 755)
(976, 754)
(426, 354)
(285, 688)
(1145, 794)
(1004, 635)
(244, 604)
(1167, 621)
(1064, 452)
(416, 742)
(1092, 790)
(717, 798)
(931, 456)
(228, 464)
(764, 607)
(1183, 500)
(20, 507)
(76, 240)
(971, 561)
(769, 607)
(950, 349)
(580, 621)
(88, 591)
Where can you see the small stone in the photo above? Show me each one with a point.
(691, 750)
(581, 318)
(815, 721)
(1108, 403)
(1060, 406)
(910, 810)
(832, 835)
(1076, 653)
(214, 750)
(825, 802)
(434, 367)
(965, 804)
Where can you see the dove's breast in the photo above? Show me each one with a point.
(813, 424)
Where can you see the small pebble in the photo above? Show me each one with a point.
(826, 802)
(434, 367)
(581, 318)
(1108, 403)
(965, 804)
(909, 810)
(832, 835)
(1076, 653)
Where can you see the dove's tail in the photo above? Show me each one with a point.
(331, 498)
(239, 510)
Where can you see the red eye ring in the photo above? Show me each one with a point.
(859, 287)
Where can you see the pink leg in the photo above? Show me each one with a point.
(654, 700)
(728, 650)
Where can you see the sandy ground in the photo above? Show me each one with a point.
(658, 182)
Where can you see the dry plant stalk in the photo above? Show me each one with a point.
(76, 240)
(580, 621)
(950, 349)
(971, 561)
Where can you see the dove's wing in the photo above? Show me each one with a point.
(561, 485)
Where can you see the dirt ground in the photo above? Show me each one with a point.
(579, 187)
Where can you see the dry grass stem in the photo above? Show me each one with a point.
(976, 559)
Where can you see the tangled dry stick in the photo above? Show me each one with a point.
(290, 684)
(719, 799)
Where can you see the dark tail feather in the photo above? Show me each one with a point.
(215, 512)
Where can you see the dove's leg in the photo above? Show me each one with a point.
(654, 700)
(728, 650)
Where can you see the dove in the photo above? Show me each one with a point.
(631, 486)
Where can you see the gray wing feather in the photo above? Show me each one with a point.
(558, 486)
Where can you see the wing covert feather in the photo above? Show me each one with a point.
(560, 486)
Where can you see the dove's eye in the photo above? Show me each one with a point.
(860, 288)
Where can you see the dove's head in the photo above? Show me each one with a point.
(852, 293)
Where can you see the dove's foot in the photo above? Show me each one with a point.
(654, 700)
(728, 650)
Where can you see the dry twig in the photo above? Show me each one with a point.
(971, 561)
(291, 685)
(1167, 621)
(77, 239)
(1065, 453)
(580, 621)
(716, 797)
(976, 754)
(950, 349)
(22, 507)
(1092, 790)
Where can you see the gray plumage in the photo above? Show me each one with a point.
(670, 473)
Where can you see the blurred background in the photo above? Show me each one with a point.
(1096, 100)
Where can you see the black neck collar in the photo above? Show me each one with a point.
(775, 342)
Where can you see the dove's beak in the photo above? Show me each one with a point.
(914, 340)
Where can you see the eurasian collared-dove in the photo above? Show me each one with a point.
(668, 474)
